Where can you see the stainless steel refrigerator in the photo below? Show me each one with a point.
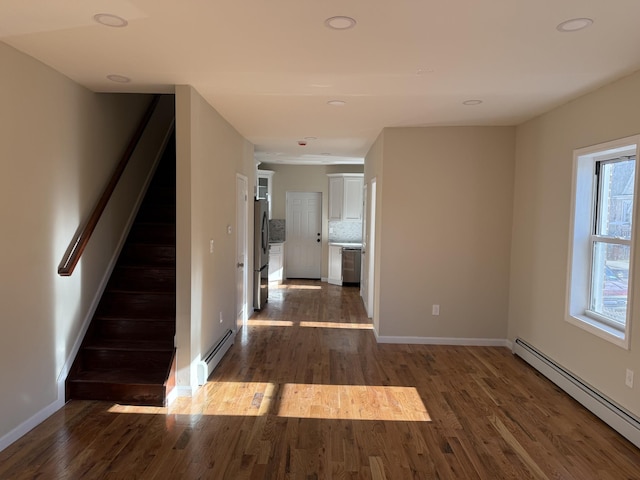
(260, 253)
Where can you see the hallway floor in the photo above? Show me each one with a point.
(307, 393)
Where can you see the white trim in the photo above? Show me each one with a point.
(580, 240)
(186, 391)
(173, 394)
(471, 342)
(31, 423)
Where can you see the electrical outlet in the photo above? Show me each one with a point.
(629, 379)
(210, 246)
(435, 310)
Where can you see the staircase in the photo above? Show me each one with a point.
(128, 353)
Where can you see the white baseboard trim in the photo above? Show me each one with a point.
(471, 342)
(29, 424)
(621, 420)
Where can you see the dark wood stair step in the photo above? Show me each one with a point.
(109, 355)
(141, 254)
(143, 279)
(134, 329)
(137, 305)
(132, 387)
(153, 234)
(157, 214)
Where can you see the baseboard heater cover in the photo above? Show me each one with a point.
(210, 361)
(613, 414)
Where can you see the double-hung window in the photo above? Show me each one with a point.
(601, 247)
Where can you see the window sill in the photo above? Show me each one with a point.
(600, 329)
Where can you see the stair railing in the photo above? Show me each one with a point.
(81, 238)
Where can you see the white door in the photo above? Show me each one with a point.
(242, 231)
(304, 234)
(364, 279)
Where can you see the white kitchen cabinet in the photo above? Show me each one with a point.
(336, 196)
(276, 262)
(345, 196)
(264, 189)
(335, 265)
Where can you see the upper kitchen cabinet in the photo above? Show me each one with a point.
(345, 196)
(265, 186)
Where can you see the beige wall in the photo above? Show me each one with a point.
(305, 178)
(60, 144)
(541, 236)
(445, 231)
(209, 154)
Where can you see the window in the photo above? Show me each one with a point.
(601, 249)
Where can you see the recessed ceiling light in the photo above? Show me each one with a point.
(336, 103)
(423, 71)
(118, 78)
(310, 138)
(340, 22)
(472, 102)
(574, 24)
(110, 20)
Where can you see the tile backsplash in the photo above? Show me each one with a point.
(340, 231)
(276, 230)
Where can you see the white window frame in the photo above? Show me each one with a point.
(584, 190)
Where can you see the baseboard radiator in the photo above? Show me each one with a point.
(614, 415)
(210, 361)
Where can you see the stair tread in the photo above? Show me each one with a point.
(121, 376)
(130, 345)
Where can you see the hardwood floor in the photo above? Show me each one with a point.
(307, 393)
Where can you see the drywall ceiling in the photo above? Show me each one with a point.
(270, 66)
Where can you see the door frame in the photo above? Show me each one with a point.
(242, 247)
(371, 249)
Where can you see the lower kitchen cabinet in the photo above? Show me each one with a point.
(335, 265)
(276, 262)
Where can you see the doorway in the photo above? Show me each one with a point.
(242, 266)
(304, 235)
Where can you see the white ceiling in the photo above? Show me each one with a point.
(270, 66)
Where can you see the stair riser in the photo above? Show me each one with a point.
(157, 214)
(143, 280)
(123, 305)
(151, 330)
(153, 234)
(125, 359)
(153, 255)
(152, 395)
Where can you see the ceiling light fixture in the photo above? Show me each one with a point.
(574, 24)
(110, 20)
(336, 103)
(118, 78)
(340, 22)
(423, 71)
(310, 138)
(472, 102)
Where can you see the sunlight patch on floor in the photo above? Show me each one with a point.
(269, 323)
(296, 400)
(286, 323)
(350, 326)
(290, 286)
(352, 402)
